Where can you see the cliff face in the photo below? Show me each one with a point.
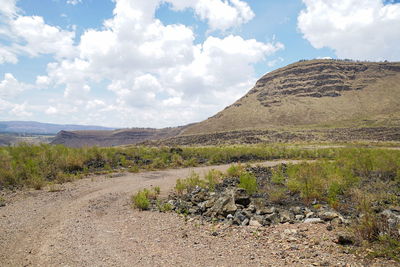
(113, 138)
(316, 93)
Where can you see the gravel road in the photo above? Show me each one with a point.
(90, 223)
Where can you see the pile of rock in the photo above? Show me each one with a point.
(234, 206)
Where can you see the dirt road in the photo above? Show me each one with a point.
(90, 223)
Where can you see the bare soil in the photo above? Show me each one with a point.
(90, 223)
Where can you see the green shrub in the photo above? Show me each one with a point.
(248, 182)
(235, 170)
(277, 194)
(157, 190)
(278, 175)
(140, 200)
(212, 178)
(180, 186)
(164, 207)
(134, 169)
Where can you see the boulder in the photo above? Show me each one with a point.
(313, 220)
(201, 196)
(255, 223)
(286, 216)
(272, 218)
(239, 218)
(328, 215)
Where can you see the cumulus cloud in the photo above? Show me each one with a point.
(367, 29)
(157, 74)
(8, 8)
(31, 36)
(36, 37)
(74, 2)
(220, 15)
(11, 87)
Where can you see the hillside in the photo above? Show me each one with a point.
(33, 127)
(113, 138)
(315, 94)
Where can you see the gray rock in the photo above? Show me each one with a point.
(297, 210)
(253, 222)
(313, 220)
(328, 215)
(201, 196)
(265, 210)
(285, 216)
(223, 206)
(229, 208)
(245, 222)
(271, 219)
(239, 217)
(299, 217)
(251, 208)
(309, 214)
(392, 218)
(338, 221)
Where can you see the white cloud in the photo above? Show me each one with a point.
(7, 56)
(51, 110)
(20, 110)
(220, 15)
(42, 81)
(37, 37)
(11, 87)
(8, 8)
(366, 29)
(31, 36)
(74, 2)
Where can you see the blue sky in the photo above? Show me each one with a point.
(158, 63)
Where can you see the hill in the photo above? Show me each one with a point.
(315, 94)
(33, 127)
(315, 100)
(114, 138)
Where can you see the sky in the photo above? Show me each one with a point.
(165, 63)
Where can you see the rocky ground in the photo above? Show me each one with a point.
(90, 223)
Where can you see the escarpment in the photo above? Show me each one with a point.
(315, 94)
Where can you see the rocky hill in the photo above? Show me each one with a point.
(113, 138)
(315, 94)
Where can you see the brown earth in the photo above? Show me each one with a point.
(90, 223)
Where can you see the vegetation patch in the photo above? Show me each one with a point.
(356, 192)
(143, 199)
(36, 165)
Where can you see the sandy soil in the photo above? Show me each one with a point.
(90, 223)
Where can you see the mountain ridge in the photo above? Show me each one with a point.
(34, 127)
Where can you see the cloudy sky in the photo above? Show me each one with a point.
(158, 63)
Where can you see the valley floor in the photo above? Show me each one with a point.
(90, 223)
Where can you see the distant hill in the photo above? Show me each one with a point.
(114, 138)
(315, 94)
(32, 127)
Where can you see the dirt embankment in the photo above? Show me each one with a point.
(90, 223)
